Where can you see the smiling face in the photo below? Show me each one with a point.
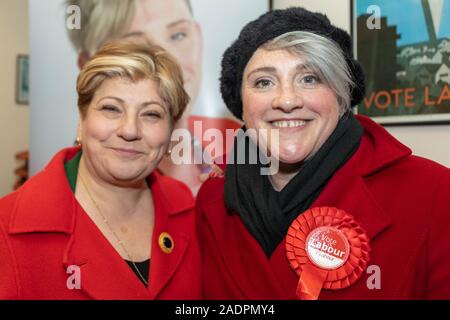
(169, 23)
(280, 92)
(125, 131)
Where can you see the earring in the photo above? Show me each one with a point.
(169, 152)
(78, 142)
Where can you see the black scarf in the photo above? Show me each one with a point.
(267, 213)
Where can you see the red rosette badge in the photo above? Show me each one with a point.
(328, 249)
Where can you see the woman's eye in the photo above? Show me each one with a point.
(177, 36)
(263, 83)
(310, 79)
(109, 108)
(153, 115)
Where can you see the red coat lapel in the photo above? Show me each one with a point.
(46, 202)
(347, 190)
(104, 274)
(166, 208)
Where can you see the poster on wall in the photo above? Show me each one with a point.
(65, 33)
(22, 79)
(404, 47)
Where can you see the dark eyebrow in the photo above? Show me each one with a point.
(262, 69)
(173, 24)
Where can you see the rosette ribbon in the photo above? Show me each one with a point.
(327, 249)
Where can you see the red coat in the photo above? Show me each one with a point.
(402, 201)
(43, 231)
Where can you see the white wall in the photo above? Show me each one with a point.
(13, 117)
(53, 117)
(338, 11)
(428, 141)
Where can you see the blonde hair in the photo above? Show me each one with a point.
(102, 20)
(134, 60)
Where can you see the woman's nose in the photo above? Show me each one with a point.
(288, 99)
(129, 128)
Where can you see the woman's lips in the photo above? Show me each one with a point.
(289, 123)
(127, 152)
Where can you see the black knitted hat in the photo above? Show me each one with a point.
(271, 25)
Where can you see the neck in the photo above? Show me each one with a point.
(119, 200)
(285, 174)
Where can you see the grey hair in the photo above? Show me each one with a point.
(324, 57)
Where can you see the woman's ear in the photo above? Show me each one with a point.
(78, 140)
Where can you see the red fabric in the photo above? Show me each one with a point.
(220, 144)
(401, 201)
(43, 231)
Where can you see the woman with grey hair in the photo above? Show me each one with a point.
(349, 213)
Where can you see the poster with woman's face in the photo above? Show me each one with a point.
(195, 32)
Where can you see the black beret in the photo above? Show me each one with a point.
(271, 25)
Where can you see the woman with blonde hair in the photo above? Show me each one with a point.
(99, 221)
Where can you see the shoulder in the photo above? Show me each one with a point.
(413, 179)
(7, 204)
(382, 153)
(440, 178)
(8, 281)
(418, 166)
(211, 191)
(415, 171)
(177, 196)
(37, 187)
(425, 165)
(439, 237)
(213, 188)
(173, 186)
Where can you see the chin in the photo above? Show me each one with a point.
(292, 156)
(292, 160)
(128, 177)
(125, 174)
